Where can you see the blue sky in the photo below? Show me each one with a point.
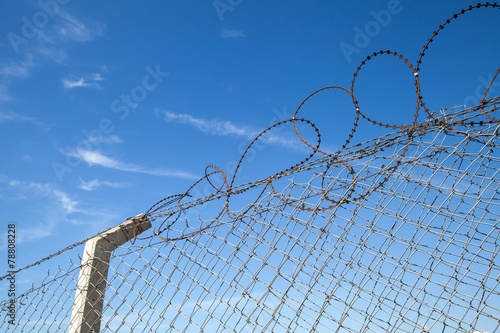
(107, 108)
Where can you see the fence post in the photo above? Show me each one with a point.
(91, 286)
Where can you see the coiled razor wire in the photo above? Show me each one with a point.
(420, 253)
(397, 234)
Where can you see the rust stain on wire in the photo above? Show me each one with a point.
(414, 130)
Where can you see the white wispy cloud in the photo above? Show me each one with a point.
(17, 69)
(4, 94)
(52, 39)
(12, 116)
(51, 42)
(79, 83)
(53, 50)
(27, 157)
(227, 128)
(96, 183)
(91, 81)
(213, 127)
(7, 115)
(69, 205)
(36, 232)
(57, 203)
(96, 77)
(57, 206)
(232, 33)
(24, 190)
(106, 139)
(76, 30)
(93, 158)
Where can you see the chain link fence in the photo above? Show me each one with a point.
(397, 234)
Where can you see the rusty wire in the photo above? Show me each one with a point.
(415, 129)
(360, 186)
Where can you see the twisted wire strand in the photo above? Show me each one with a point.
(170, 208)
(415, 129)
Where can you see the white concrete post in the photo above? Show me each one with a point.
(89, 298)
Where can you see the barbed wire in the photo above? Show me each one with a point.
(414, 129)
(338, 241)
(373, 264)
(231, 189)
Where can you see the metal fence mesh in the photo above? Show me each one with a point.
(414, 248)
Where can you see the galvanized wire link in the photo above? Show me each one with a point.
(397, 234)
(419, 253)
